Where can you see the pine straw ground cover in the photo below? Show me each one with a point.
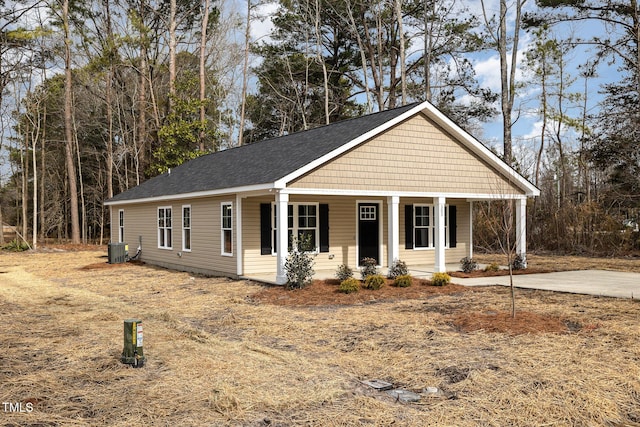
(221, 352)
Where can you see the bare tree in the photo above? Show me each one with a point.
(403, 61)
(68, 126)
(203, 70)
(505, 39)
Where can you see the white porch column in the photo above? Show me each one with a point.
(521, 229)
(393, 241)
(239, 249)
(470, 248)
(439, 238)
(282, 215)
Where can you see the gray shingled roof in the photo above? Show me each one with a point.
(259, 163)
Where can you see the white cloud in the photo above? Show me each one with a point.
(488, 72)
(262, 25)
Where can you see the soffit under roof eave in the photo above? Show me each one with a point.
(245, 191)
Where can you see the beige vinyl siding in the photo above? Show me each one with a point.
(414, 156)
(253, 261)
(205, 255)
(343, 224)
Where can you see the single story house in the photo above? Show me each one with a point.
(397, 184)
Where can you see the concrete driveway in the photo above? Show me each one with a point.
(590, 282)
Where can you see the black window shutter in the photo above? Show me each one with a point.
(324, 228)
(408, 226)
(265, 228)
(453, 223)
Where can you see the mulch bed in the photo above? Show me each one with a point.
(325, 292)
(482, 273)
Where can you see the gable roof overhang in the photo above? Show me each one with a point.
(443, 121)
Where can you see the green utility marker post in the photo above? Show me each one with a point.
(133, 354)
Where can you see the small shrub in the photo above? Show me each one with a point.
(440, 279)
(16, 246)
(299, 266)
(492, 267)
(403, 281)
(349, 286)
(368, 267)
(519, 262)
(344, 272)
(374, 282)
(468, 265)
(398, 268)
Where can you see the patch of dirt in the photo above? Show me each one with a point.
(482, 273)
(106, 265)
(557, 262)
(525, 322)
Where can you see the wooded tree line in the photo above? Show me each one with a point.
(97, 96)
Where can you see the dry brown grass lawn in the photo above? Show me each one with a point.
(550, 262)
(220, 352)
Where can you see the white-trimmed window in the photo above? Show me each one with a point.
(302, 221)
(164, 228)
(121, 226)
(424, 226)
(227, 228)
(186, 228)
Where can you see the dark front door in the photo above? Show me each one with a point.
(368, 231)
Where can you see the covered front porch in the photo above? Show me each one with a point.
(430, 233)
(418, 271)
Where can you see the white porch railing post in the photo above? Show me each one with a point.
(282, 226)
(521, 229)
(470, 248)
(393, 247)
(439, 237)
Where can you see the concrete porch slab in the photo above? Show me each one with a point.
(419, 271)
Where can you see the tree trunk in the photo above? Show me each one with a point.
(245, 72)
(83, 204)
(427, 54)
(508, 72)
(109, 102)
(1, 227)
(363, 57)
(321, 61)
(43, 232)
(34, 157)
(203, 80)
(25, 177)
(141, 149)
(403, 65)
(172, 52)
(68, 126)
